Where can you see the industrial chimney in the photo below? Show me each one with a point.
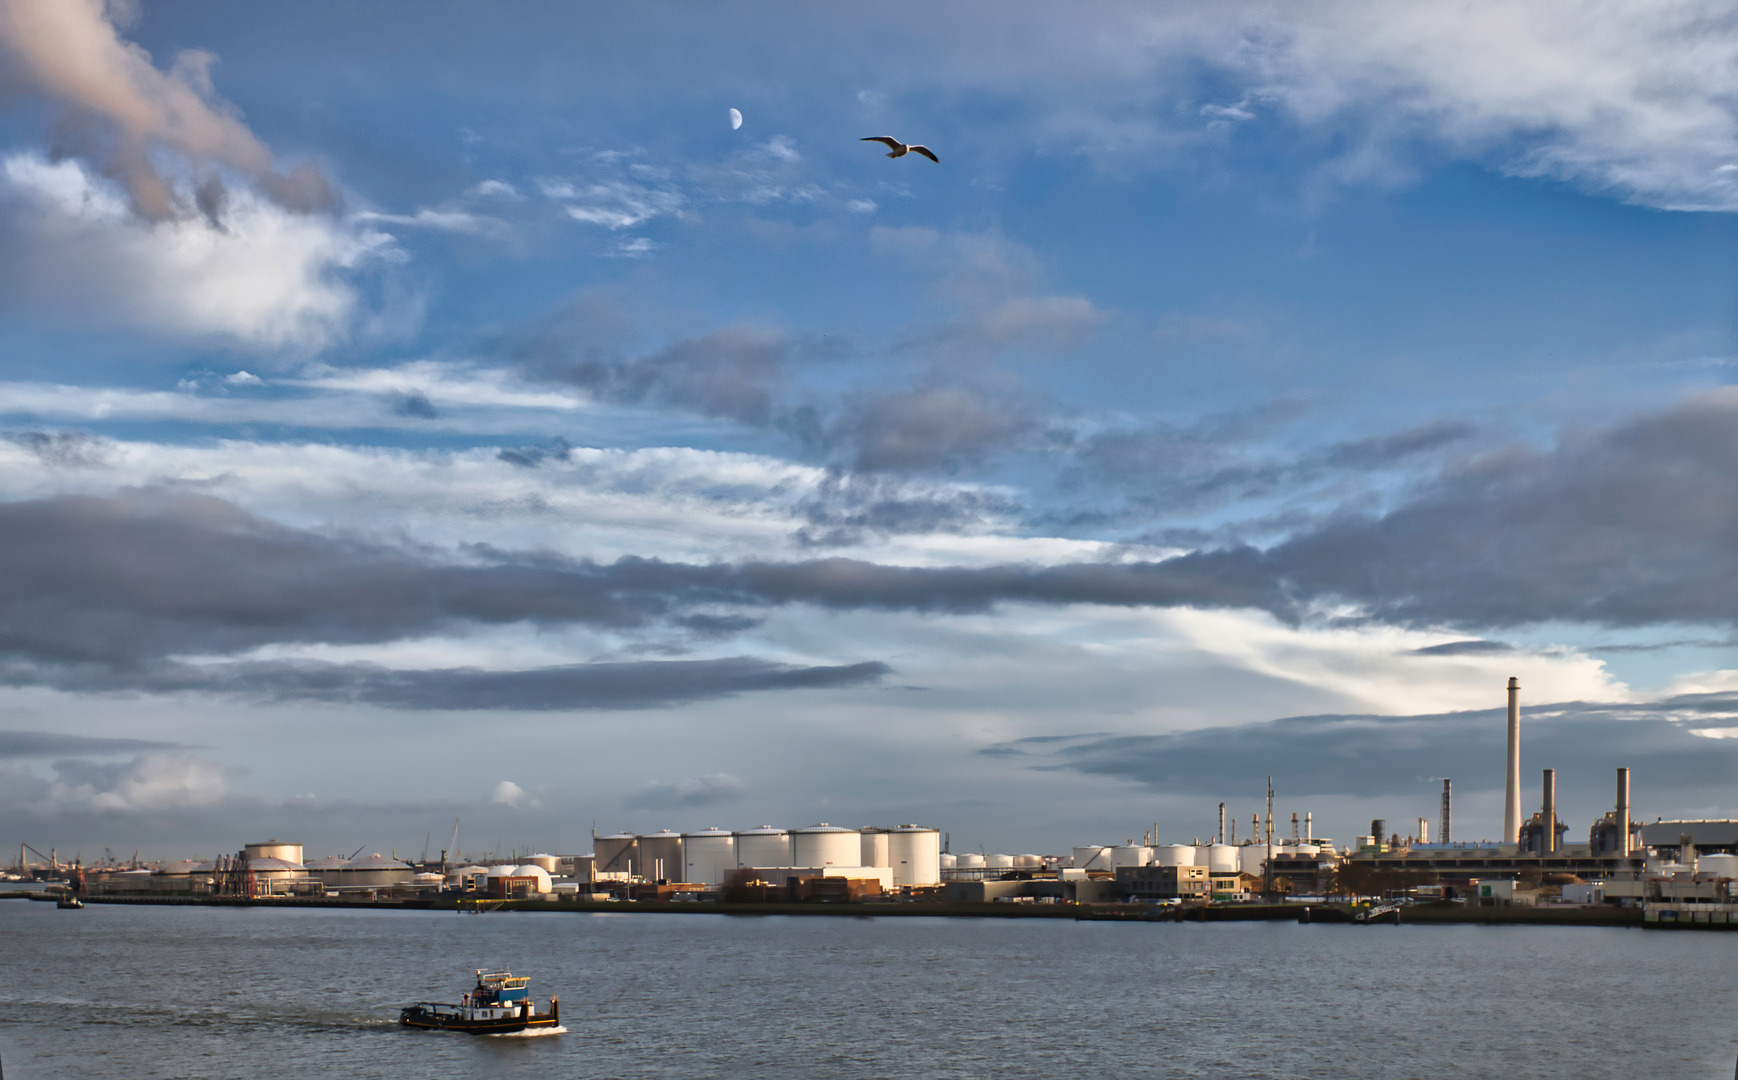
(1512, 793)
(1548, 815)
(1447, 791)
(1623, 813)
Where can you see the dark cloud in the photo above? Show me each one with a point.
(1465, 648)
(1341, 755)
(691, 791)
(414, 404)
(63, 449)
(529, 457)
(634, 685)
(46, 744)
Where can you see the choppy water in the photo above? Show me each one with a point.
(176, 992)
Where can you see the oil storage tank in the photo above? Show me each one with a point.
(710, 855)
(826, 845)
(1092, 857)
(1222, 859)
(765, 846)
(969, 860)
(660, 856)
(617, 853)
(999, 862)
(1131, 855)
(1174, 855)
(275, 849)
(949, 860)
(874, 848)
(914, 854)
(1250, 858)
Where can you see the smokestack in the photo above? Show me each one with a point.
(1294, 824)
(1221, 823)
(1309, 825)
(1424, 830)
(1622, 813)
(1447, 788)
(1548, 814)
(1512, 795)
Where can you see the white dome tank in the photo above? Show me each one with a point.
(826, 845)
(999, 862)
(765, 846)
(1131, 855)
(874, 848)
(1725, 866)
(1250, 857)
(914, 855)
(710, 855)
(532, 870)
(1092, 857)
(969, 861)
(1222, 859)
(1174, 855)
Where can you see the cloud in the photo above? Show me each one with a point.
(616, 204)
(453, 221)
(266, 277)
(44, 744)
(152, 783)
(119, 108)
(507, 793)
(707, 790)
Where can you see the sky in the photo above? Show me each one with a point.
(426, 412)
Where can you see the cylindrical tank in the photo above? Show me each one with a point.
(660, 856)
(1131, 855)
(1222, 859)
(999, 862)
(914, 854)
(1028, 862)
(274, 849)
(1174, 855)
(549, 862)
(874, 848)
(710, 856)
(1725, 866)
(969, 861)
(532, 870)
(1250, 858)
(949, 860)
(1092, 857)
(765, 846)
(614, 853)
(376, 871)
(826, 845)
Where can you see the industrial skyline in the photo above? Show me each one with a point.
(560, 417)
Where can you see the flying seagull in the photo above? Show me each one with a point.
(899, 149)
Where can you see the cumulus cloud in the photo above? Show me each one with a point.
(152, 783)
(119, 108)
(507, 793)
(266, 277)
(709, 790)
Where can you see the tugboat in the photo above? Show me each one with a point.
(500, 1004)
(68, 900)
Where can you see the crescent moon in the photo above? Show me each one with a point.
(735, 119)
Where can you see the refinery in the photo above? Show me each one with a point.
(1664, 871)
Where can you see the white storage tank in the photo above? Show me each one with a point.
(1725, 866)
(826, 845)
(374, 871)
(969, 861)
(874, 848)
(949, 860)
(765, 846)
(710, 856)
(1222, 859)
(660, 857)
(914, 855)
(275, 849)
(1092, 857)
(999, 862)
(550, 863)
(614, 853)
(1131, 855)
(1174, 855)
(1028, 862)
(1250, 858)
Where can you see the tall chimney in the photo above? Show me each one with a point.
(1623, 813)
(1309, 825)
(1294, 824)
(1447, 790)
(1222, 839)
(1548, 814)
(1512, 795)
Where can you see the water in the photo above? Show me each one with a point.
(140, 992)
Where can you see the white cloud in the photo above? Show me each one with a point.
(496, 189)
(243, 378)
(151, 783)
(709, 790)
(453, 221)
(781, 147)
(507, 793)
(266, 277)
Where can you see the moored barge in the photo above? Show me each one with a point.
(500, 1004)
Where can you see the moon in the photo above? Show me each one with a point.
(735, 119)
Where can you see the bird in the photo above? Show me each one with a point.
(899, 149)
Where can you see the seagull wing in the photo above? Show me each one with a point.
(892, 143)
(926, 152)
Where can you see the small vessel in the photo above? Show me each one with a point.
(69, 902)
(500, 1004)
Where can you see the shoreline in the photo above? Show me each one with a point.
(1335, 914)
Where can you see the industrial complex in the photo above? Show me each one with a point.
(1672, 869)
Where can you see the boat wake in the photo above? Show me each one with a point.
(530, 1033)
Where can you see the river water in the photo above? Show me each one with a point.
(138, 992)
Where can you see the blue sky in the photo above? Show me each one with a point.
(455, 387)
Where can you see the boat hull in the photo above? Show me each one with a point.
(429, 1019)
